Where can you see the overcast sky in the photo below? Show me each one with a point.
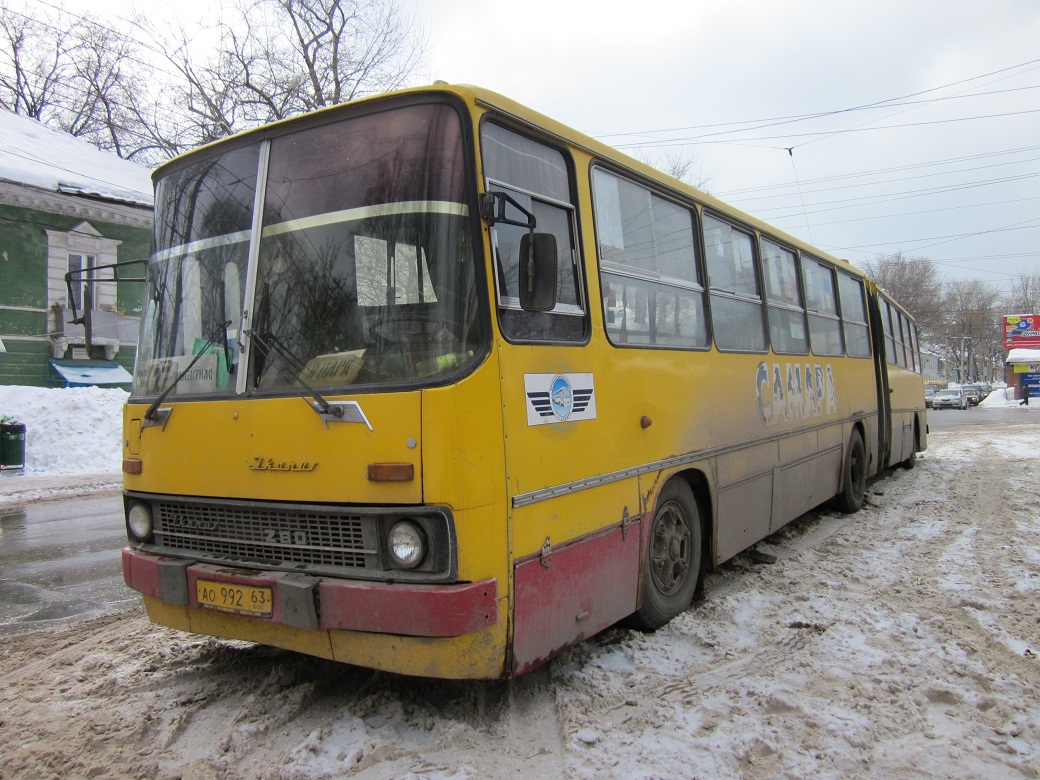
(946, 164)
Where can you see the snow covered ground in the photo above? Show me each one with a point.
(900, 642)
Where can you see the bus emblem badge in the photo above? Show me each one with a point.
(557, 398)
(561, 397)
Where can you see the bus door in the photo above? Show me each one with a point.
(878, 330)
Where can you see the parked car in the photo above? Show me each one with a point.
(975, 394)
(950, 398)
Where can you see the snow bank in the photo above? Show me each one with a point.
(68, 431)
(1005, 397)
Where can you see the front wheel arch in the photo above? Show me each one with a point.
(672, 560)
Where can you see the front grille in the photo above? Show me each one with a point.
(294, 536)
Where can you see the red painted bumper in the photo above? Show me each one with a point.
(408, 610)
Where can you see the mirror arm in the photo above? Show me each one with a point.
(493, 207)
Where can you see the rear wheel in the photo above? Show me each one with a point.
(673, 558)
(910, 462)
(854, 476)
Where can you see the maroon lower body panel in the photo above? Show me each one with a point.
(573, 592)
(326, 603)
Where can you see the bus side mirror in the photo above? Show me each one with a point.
(537, 271)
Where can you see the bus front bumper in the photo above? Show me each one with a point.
(317, 603)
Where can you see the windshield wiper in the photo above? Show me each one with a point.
(320, 405)
(151, 414)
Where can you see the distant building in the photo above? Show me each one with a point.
(931, 366)
(65, 205)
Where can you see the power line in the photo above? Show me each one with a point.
(775, 121)
(880, 171)
(693, 141)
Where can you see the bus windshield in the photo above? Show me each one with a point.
(357, 269)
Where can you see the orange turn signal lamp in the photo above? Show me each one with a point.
(391, 472)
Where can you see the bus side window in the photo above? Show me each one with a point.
(822, 303)
(736, 307)
(904, 340)
(536, 176)
(787, 329)
(652, 292)
(854, 316)
(916, 347)
(890, 343)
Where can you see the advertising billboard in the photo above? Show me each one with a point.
(1021, 330)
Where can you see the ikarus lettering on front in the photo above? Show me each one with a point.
(557, 398)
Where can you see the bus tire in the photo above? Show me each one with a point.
(910, 462)
(673, 558)
(854, 476)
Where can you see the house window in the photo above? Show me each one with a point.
(82, 248)
(82, 244)
(82, 294)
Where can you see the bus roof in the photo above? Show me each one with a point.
(479, 96)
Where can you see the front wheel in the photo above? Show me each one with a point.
(854, 476)
(673, 558)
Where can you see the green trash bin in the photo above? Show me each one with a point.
(12, 445)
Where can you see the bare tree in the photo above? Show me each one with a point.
(278, 58)
(267, 60)
(916, 284)
(974, 333)
(76, 75)
(1024, 295)
(36, 63)
(679, 165)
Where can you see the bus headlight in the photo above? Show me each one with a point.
(139, 522)
(407, 544)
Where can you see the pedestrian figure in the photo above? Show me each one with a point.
(1025, 395)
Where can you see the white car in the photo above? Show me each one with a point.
(950, 398)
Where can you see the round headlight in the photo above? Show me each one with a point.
(407, 544)
(139, 521)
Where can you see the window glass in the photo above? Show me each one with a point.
(731, 259)
(916, 348)
(900, 335)
(736, 308)
(822, 303)
(886, 320)
(781, 274)
(819, 287)
(81, 286)
(524, 163)
(197, 272)
(854, 316)
(650, 280)
(638, 229)
(787, 330)
(644, 312)
(365, 272)
(535, 176)
(365, 275)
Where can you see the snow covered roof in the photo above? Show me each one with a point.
(33, 153)
(1021, 355)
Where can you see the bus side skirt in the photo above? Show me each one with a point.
(566, 594)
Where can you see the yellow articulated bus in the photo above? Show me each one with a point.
(430, 383)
